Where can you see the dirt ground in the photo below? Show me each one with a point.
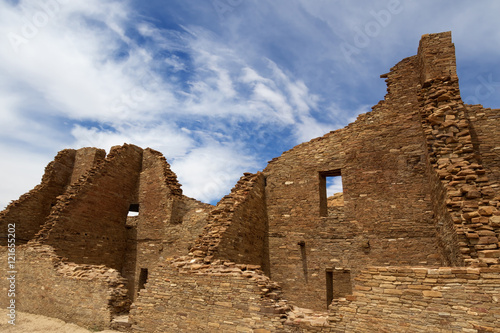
(30, 323)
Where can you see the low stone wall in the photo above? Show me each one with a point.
(82, 294)
(186, 295)
(409, 299)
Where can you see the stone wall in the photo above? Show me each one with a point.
(485, 131)
(411, 299)
(86, 159)
(167, 224)
(87, 225)
(383, 163)
(187, 295)
(86, 295)
(466, 199)
(31, 209)
(420, 176)
(236, 229)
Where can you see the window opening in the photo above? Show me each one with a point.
(330, 190)
(143, 278)
(133, 210)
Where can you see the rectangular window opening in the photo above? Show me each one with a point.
(133, 210)
(143, 278)
(330, 191)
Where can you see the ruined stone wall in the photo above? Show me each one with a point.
(87, 225)
(485, 131)
(167, 224)
(464, 197)
(388, 213)
(411, 299)
(388, 194)
(236, 229)
(31, 209)
(86, 159)
(86, 295)
(187, 295)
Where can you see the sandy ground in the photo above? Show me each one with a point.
(30, 323)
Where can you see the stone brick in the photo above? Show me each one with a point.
(420, 175)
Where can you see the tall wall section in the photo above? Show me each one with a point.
(87, 225)
(388, 215)
(30, 211)
(465, 193)
(167, 224)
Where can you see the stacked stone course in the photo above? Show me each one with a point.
(411, 245)
(236, 227)
(87, 295)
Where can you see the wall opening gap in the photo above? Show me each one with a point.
(133, 210)
(143, 278)
(338, 284)
(303, 255)
(329, 287)
(330, 190)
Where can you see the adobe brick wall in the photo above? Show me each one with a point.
(82, 294)
(411, 299)
(87, 225)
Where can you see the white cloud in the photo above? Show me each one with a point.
(163, 137)
(208, 172)
(81, 78)
(22, 172)
(71, 68)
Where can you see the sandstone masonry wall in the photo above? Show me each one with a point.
(485, 131)
(466, 199)
(412, 299)
(388, 214)
(420, 176)
(167, 224)
(87, 295)
(187, 295)
(87, 225)
(31, 209)
(236, 229)
(86, 159)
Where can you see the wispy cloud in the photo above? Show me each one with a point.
(217, 93)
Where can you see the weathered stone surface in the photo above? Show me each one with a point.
(421, 180)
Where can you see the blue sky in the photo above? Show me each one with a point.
(218, 86)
